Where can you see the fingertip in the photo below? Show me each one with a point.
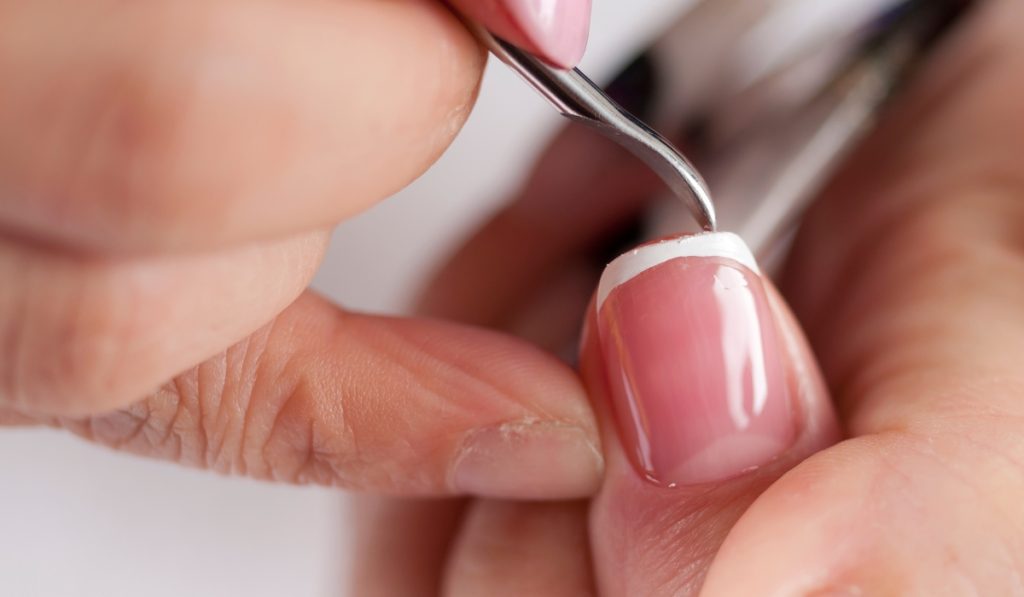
(710, 395)
(556, 30)
(695, 365)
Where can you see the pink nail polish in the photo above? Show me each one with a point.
(694, 360)
(559, 28)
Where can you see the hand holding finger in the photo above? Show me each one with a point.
(707, 393)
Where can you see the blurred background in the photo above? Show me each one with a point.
(76, 520)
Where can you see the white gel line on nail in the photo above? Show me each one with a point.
(711, 244)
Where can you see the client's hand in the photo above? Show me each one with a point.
(908, 277)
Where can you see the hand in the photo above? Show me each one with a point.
(169, 172)
(908, 277)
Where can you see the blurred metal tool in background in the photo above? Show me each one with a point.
(767, 96)
(770, 96)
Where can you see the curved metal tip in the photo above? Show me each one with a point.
(580, 99)
(676, 171)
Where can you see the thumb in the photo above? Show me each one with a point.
(706, 392)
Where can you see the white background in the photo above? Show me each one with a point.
(78, 520)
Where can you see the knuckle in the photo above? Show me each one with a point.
(165, 426)
(239, 413)
(244, 413)
(303, 444)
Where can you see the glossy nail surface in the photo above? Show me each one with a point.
(559, 28)
(693, 360)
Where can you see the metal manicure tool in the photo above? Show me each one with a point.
(581, 100)
(768, 96)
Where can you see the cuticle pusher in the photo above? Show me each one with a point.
(581, 100)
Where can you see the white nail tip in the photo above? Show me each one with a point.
(711, 244)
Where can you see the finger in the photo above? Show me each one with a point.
(551, 318)
(554, 29)
(706, 394)
(401, 407)
(922, 341)
(85, 335)
(12, 418)
(173, 124)
(401, 546)
(481, 286)
(509, 548)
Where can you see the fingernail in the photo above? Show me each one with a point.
(559, 28)
(528, 460)
(694, 360)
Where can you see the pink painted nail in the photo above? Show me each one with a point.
(694, 362)
(559, 28)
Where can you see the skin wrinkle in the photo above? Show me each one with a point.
(266, 377)
(224, 408)
(202, 440)
(185, 398)
(318, 468)
(412, 357)
(140, 421)
(892, 452)
(173, 430)
(287, 465)
(231, 410)
(341, 461)
(348, 462)
(845, 310)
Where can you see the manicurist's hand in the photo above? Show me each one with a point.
(169, 172)
(727, 469)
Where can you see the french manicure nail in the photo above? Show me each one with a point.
(559, 28)
(528, 460)
(693, 359)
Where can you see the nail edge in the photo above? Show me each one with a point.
(709, 244)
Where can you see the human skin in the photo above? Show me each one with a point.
(149, 225)
(907, 277)
(168, 181)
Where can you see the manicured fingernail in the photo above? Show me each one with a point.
(559, 28)
(528, 460)
(694, 360)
